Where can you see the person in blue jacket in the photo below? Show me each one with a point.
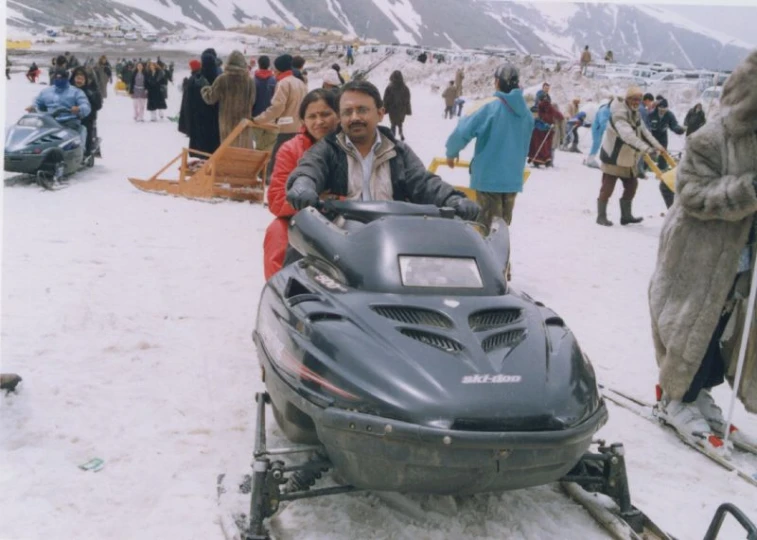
(502, 126)
(64, 96)
(571, 139)
(598, 127)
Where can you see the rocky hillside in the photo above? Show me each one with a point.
(631, 32)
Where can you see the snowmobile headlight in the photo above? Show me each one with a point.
(31, 151)
(448, 272)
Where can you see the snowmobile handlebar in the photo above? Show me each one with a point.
(367, 211)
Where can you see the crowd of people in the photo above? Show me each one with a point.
(328, 142)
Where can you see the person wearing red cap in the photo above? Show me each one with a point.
(197, 119)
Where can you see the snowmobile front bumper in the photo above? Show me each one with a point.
(371, 452)
(23, 163)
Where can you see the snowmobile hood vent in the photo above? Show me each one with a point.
(413, 315)
(501, 340)
(494, 318)
(47, 139)
(435, 340)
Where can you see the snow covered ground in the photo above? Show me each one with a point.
(129, 316)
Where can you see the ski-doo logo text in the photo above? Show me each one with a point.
(491, 379)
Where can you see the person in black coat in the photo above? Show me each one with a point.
(210, 68)
(155, 81)
(694, 119)
(197, 119)
(660, 119)
(81, 80)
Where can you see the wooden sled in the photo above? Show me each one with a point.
(667, 177)
(229, 173)
(469, 192)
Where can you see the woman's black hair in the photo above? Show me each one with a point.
(319, 94)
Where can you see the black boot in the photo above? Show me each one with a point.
(602, 214)
(626, 216)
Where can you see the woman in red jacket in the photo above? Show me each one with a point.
(320, 117)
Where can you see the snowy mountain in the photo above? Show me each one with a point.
(631, 32)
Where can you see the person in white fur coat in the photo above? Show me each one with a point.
(706, 252)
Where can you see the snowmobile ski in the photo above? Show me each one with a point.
(606, 514)
(646, 410)
(740, 445)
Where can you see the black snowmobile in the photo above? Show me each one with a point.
(47, 146)
(396, 354)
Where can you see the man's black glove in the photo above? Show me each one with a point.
(302, 193)
(465, 208)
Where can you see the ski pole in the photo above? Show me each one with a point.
(546, 137)
(742, 350)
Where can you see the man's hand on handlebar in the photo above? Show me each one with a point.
(75, 109)
(302, 193)
(451, 161)
(464, 207)
(31, 108)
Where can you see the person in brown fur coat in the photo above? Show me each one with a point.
(234, 91)
(704, 265)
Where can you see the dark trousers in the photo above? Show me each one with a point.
(608, 186)
(712, 370)
(449, 111)
(89, 147)
(667, 195)
(395, 127)
(281, 138)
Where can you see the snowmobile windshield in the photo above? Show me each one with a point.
(403, 248)
(31, 121)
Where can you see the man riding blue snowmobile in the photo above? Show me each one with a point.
(64, 96)
(50, 144)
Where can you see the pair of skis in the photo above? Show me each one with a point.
(647, 411)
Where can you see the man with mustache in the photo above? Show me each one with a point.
(363, 161)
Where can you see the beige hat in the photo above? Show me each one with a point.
(634, 91)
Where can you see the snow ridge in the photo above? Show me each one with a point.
(336, 10)
(403, 15)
